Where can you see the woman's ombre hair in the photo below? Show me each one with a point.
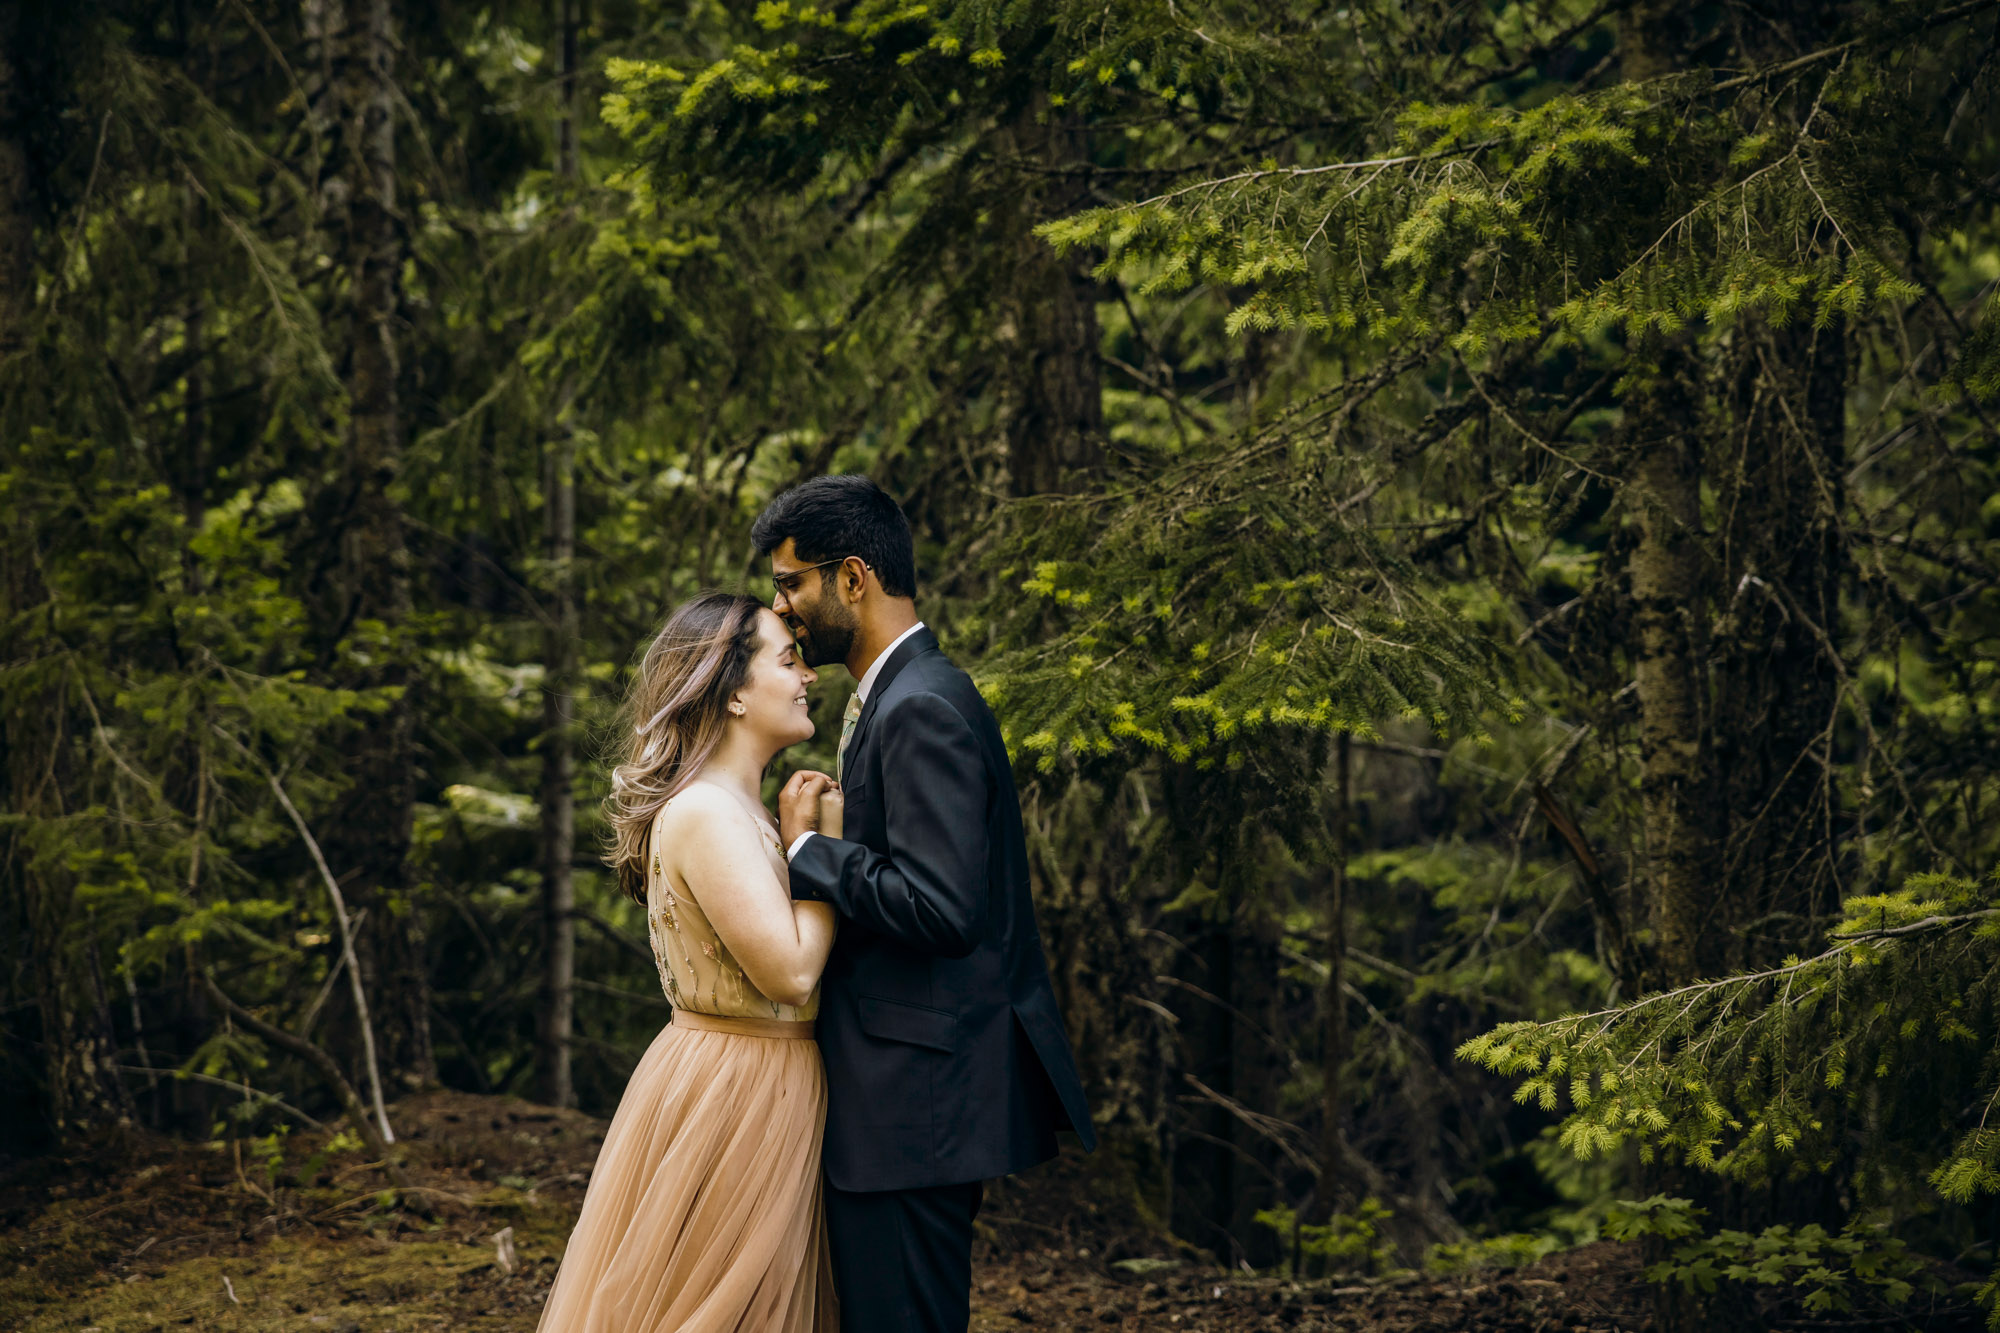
(676, 712)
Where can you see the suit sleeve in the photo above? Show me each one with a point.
(929, 891)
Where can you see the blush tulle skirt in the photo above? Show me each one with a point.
(704, 1212)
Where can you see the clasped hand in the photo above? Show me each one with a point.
(810, 803)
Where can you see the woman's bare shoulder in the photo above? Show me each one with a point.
(699, 797)
(702, 810)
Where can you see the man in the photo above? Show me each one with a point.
(946, 1062)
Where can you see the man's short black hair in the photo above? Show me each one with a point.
(831, 518)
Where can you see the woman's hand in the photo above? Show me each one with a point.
(832, 811)
(799, 805)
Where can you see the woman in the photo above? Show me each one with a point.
(703, 1214)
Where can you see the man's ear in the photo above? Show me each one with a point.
(853, 581)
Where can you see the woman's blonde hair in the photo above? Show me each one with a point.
(674, 718)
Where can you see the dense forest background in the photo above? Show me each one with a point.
(1470, 511)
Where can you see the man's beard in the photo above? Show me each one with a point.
(826, 640)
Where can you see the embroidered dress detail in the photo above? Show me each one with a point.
(697, 971)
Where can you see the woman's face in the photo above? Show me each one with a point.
(774, 698)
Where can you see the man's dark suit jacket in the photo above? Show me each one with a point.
(945, 1056)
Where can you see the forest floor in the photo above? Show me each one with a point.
(156, 1234)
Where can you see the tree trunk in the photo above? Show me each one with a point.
(375, 256)
(1213, 1175)
(1256, 1069)
(82, 1089)
(1683, 815)
(1777, 683)
(558, 794)
(1668, 610)
(17, 195)
(1333, 996)
(369, 838)
(559, 674)
(567, 162)
(1055, 432)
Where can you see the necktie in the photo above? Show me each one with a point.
(847, 721)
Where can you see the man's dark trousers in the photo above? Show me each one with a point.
(902, 1259)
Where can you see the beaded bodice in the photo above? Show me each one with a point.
(696, 968)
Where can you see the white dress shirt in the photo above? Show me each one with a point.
(867, 684)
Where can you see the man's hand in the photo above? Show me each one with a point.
(798, 804)
(833, 812)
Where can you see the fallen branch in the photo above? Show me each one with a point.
(346, 930)
(1624, 958)
(1280, 1134)
(328, 1070)
(259, 1093)
(346, 952)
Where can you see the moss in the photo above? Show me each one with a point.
(505, 1201)
(293, 1285)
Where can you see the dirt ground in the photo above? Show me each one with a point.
(156, 1235)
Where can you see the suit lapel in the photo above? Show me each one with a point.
(923, 641)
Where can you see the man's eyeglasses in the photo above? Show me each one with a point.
(788, 582)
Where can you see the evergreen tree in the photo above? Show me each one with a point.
(1576, 307)
(1467, 515)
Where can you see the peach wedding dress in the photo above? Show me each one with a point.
(703, 1213)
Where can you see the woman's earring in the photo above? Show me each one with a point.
(736, 707)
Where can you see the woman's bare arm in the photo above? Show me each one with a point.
(717, 849)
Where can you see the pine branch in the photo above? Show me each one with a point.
(1929, 925)
(1297, 173)
(1937, 18)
